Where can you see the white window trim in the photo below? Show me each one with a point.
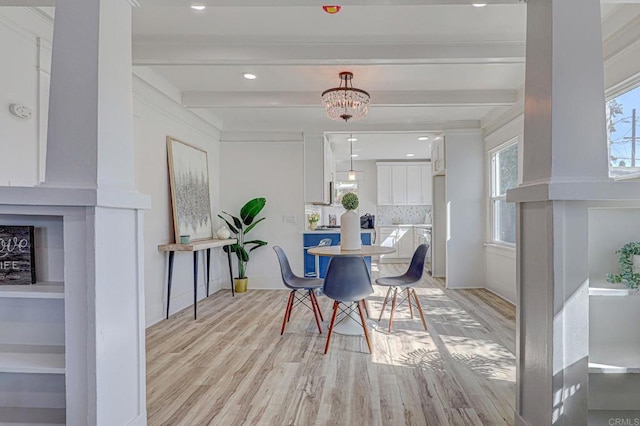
(491, 198)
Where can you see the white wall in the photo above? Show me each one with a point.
(464, 204)
(19, 83)
(157, 115)
(273, 170)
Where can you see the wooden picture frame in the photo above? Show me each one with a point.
(189, 182)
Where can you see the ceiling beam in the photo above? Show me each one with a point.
(238, 53)
(415, 98)
(321, 126)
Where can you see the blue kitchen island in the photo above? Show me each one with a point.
(311, 239)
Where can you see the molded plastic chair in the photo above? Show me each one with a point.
(295, 283)
(316, 273)
(406, 281)
(348, 282)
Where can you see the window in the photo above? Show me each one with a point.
(504, 176)
(623, 114)
(342, 187)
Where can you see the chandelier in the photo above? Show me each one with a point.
(345, 102)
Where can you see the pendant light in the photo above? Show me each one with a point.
(352, 173)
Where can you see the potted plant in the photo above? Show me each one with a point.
(350, 223)
(241, 227)
(629, 259)
(314, 218)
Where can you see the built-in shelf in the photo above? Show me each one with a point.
(35, 359)
(617, 360)
(39, 290)
(603, 288)
(22, 416)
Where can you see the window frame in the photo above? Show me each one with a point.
(492, 198)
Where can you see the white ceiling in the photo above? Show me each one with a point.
(429, 65)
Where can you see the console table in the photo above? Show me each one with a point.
(195, 247)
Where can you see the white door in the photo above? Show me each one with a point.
(405, 242)
(427, 197)
(399, 185)
(388, 236)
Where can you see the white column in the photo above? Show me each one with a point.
(90, 152)
(90, 134)
(564, 152)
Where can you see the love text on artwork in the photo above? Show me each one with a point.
(13, 245)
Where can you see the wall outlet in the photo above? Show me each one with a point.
(288, 218)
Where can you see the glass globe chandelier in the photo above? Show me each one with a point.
(345, 102)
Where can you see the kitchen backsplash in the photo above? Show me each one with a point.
(389, 215)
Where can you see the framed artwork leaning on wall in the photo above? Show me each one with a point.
(189, 182)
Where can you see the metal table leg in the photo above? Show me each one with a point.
(169, 281)
(208, 268)
(195, 285)
(233, 292)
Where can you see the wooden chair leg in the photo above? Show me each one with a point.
(384, 305)
(393, 307)
(315, 310)
(410, 305)
(333, 320)
(364, 327)
(286, 313)
(415, 296)
(315, 299)
(293, 293)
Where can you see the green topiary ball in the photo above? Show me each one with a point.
(350, 201)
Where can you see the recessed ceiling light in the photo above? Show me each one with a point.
(198, 7)
(354, 155)
(479, 4)
(249, 76)
(438, 138)
(410, 155)
(423, 138)
(352, 139)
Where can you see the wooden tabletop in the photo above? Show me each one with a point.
(196, 245)
(337, 251)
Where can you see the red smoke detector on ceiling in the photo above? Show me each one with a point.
(331, 9)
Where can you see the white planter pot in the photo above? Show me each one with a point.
(350, 231)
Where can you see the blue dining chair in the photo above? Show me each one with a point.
(296, 283)
(406, 281)
(347, 282)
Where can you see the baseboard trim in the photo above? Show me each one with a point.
(520, 421)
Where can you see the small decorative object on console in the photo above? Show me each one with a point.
(350, 224)
(17, 259)
(314, 218)
(223, 233)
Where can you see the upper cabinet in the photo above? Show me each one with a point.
(404, 183)
(319, 168)
(437, 157)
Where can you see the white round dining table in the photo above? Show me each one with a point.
(347, 324)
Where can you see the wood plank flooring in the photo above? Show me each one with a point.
(232, 367)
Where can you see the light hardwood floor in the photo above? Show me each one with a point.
(232, 367)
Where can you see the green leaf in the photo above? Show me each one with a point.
(250, 227)
(258, 243)
(231, 227)
(251, 209)
(242, 254)
(237, 221)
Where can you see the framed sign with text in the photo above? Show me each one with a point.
(17, 260)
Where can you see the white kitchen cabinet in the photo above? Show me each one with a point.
(399, 185)
(404, 243)
(399, 237)
(404, 183)
(384, 185)
(438, 157)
